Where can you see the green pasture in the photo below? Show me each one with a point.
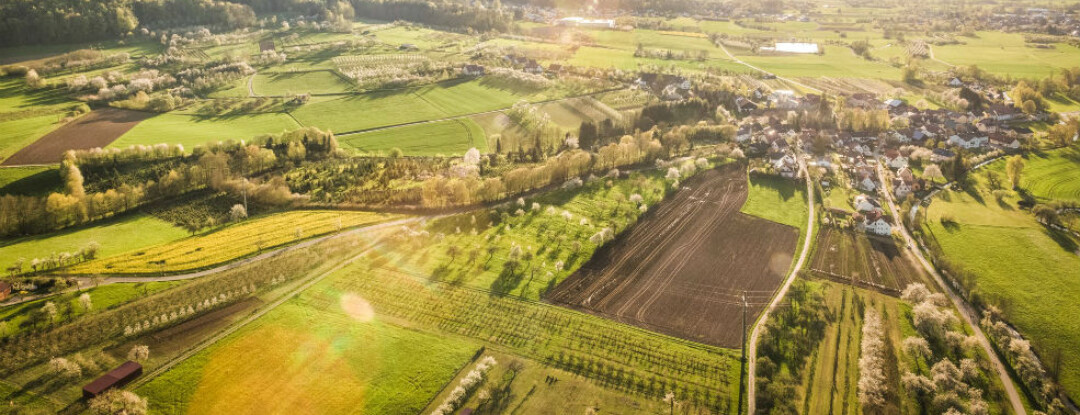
(323, 358)
(29, 181)
(451, 137)
(777, 199)
(193, 130)
(1026, 268)
(1008, 54)
(19, 133)
(114, 236)
(384, 108)
(311, 82)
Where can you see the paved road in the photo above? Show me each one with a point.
(86, 282)
(751, 348)
(739, 61)
(966, 311)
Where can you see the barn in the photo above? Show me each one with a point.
(115, 378)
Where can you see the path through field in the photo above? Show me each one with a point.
(739, 61)
(755, 334)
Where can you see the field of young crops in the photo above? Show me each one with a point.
(229, 243)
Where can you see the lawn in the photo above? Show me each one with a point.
(230, 242)
(193, 130)
(777, 199)
(1008, 54)
(449, 138)
(306, 357)
(115, 236)
(1030, 271)
(102, 298)
(313, 82)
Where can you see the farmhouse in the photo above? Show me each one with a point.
(876, 223)
(115, 378)
(473, 70)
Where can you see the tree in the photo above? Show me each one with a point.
(64, 369)
(1030, 107)
(33, 80)
(116, 402)
(872, 385)
(237, 212)
(453, 251)
(1015, 168)
(85, 302)
(139, 353)
(932, 172)
(917, 347)
(1045, 214)
(49, 311)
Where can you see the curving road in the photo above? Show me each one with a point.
(751, 347)
(966, 311)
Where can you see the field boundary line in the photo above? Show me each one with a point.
(740, 61)
(751, 347)
(965, 310)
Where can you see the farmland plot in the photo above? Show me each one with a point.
(867, 261)
(684, 270)
(97, 129)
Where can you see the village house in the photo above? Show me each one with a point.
(969, 142)
(941, 154)
(865, 203)
(875, 223)
(473, 70)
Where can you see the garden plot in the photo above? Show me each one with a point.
(683, 271)
(867, 261)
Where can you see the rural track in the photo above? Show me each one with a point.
(966, 311)
(788, 80)
(755, 334)
(85, 282)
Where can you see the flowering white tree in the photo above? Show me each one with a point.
(118, 401)
(85, 302)
(872, 380)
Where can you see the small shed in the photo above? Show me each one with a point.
(115, 378)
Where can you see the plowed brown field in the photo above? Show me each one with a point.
(684, 270)
(97, 129)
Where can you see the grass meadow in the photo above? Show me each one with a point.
(448, 138)
(777, 199)
(304, 358)
(192, 130)
(1052, 175)
(115, 236)
(1008, 54)
(230, 242)
(19, 133)
(1019, 264)
(312, 82)
(32, 180)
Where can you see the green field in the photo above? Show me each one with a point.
(114, 236)
(1008, 54)
(1029, 270)
(304, 357)
(312, 82)
(36, 180)
(1052, 175)
(193, 130)
(102, 298)
(230, 242)
(448, 138)
(777, 199)
(377, 109)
